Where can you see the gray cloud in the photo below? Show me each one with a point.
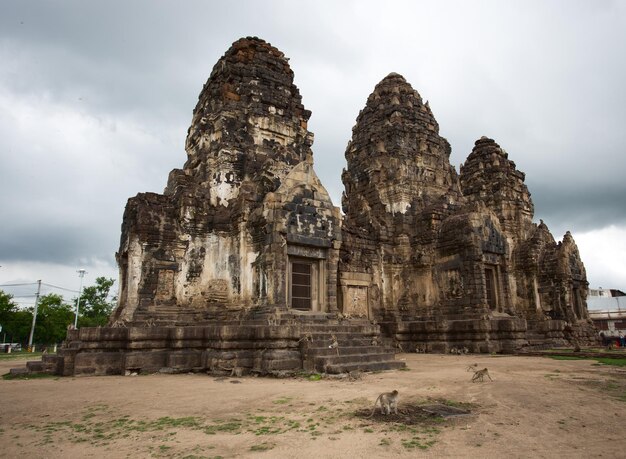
(95, 99)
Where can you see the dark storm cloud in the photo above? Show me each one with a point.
(95, 98)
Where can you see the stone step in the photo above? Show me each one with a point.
(337, 329)
(19, 371)
(49, 358)
(343, 343)
(364, 366)
(321, 361)
(35, 366)
(349, 350)
(50, 362)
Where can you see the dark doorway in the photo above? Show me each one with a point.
(490, 288)
(301, 286)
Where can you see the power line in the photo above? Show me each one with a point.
(17, 285)
(43, 283)
(60, 288)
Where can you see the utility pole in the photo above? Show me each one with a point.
(32, 328)
(81, 274)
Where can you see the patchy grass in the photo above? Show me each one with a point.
(613, 386)
(10, 377)
(418, 425)
(22, 355)
(417, 442)
(101, 426)
(263, 447)
(455, 404)
(619, 362)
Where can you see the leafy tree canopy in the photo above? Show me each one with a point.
(96, 304)
(54, 314)
(15, 322)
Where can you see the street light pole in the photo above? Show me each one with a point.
(32, 328)
(81, 274)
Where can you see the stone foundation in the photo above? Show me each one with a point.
(252, 347)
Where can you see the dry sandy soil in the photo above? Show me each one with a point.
(534, 407)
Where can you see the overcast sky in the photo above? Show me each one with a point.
(96, 99)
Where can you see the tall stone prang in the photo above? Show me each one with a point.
(398, 186)
(489, 177)
(246, 205)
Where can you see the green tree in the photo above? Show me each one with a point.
(53, 317)
(95, 304)
(15, 322)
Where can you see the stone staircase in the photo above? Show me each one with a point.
(355, 350)
(47, 364)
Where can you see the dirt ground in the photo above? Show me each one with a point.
(534, 407)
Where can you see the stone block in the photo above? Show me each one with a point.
(98, 363)
(148, 333)
(145, 361)
(184, 360)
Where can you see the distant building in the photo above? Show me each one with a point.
(607, 309)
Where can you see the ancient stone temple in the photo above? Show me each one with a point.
(244, 263)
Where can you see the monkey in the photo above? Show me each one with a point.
(480, 374)
(237, 372)
(334, 343)
(472, 367)
(345, 316)
(388, 400)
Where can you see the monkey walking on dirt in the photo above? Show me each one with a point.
(388, 401)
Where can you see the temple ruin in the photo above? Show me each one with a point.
(244, 261)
